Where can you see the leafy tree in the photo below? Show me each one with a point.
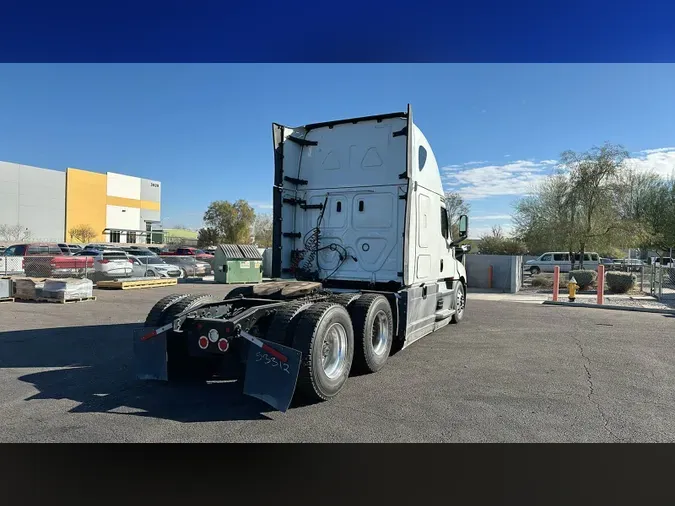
(263, 230)
(83, 233)
(208, 237)
(593, 201)
(232, 222)
(455, 206)
(594, 182)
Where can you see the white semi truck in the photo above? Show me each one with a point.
(363, 261)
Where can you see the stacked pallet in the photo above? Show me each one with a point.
(68, 290)
(28, 288)
(54, 290)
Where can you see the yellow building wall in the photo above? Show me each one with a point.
(137, 204)
(85, 201)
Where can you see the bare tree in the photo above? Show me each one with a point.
(455, 206)
(14, 233)
(83, 233)
(262, 230)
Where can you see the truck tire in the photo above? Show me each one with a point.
(345, 298)
(282, 326)
(156, 314)
(460, 303)
(180, 365)
(325, 336)
(373, 332)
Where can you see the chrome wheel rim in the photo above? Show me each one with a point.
(334, 351)
(380, 333)
(460, 301)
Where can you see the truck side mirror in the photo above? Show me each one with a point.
(463, 227)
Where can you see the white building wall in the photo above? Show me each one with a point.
(127, 187)
(122, 218)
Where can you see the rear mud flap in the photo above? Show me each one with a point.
(150, 356)
(272, 379)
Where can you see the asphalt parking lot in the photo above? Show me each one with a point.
(509, 372)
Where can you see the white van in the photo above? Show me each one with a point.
(547, 261)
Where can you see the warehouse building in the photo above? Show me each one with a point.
(47, 204)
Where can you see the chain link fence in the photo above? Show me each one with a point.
(662, 282)
(107, 265)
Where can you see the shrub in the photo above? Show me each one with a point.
(620, 282)
(542, 281)
(584, 278)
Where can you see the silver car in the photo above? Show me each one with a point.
(154, 267)
(189, 266)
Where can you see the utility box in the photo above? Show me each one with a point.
(6, 287)
(237, 263)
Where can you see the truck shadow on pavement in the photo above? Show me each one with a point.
(93, 365)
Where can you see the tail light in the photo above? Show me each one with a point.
(223, 345)
(203, 342)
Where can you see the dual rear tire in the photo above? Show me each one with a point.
(336, 340)
(181, 366)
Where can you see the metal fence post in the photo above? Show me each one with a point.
(660, 282)
(642, 279)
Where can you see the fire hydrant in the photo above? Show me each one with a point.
(572, 287)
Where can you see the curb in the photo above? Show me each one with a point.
(611, 307)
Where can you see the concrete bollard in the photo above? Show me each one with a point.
(601, 284)
(556, 282)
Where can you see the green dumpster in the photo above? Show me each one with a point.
(237, 263)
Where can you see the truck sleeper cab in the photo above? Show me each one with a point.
(363, 259)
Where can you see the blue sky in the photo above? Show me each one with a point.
(205, 130)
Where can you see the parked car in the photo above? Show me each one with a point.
(198, 253)
(11, 261)
(75, 247)
(547, 261)
(140, 251)
(112, 264)
(40, 260)
(65, 249)
(153, 266)
(155, 249)
(628, 264)
(189, 266)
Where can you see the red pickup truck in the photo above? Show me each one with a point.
(199, 254)
(43, 260)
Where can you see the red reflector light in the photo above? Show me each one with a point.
(203, 342)
(223, 345)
